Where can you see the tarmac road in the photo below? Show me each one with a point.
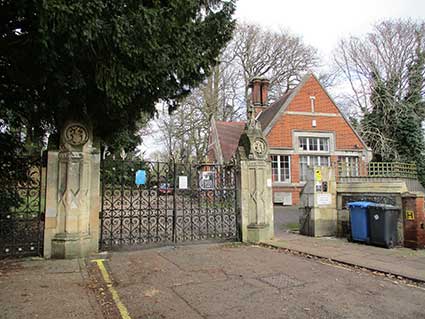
(238, 281)
(202, 281)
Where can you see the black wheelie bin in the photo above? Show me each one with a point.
(383, 224)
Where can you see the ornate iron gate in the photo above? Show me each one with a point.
(173, 202)
(22, 208)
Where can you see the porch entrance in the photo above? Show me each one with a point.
(159, 203)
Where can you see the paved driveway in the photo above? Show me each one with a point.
(237, 281)
(285, 219)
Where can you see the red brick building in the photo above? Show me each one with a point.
(303, 128)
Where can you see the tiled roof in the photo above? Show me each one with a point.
(229, 134)
(269, 113)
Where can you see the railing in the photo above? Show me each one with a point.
(377, 169)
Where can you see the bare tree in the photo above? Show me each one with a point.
(252, 52)
(185, 132)
(279, 56)
(378, 68)
(386, 54)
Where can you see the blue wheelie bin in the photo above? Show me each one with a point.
(359, 220)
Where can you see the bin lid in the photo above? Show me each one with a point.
(385, 206)
(370, 204)
(361, 204)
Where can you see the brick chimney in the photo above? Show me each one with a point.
(259, 94)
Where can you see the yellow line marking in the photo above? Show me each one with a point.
(121, 308)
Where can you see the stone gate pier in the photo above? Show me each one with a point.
(255, 188)
(73, 195)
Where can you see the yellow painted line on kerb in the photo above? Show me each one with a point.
(121, 308)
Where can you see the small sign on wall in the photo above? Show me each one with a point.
(324, 199)
(318, 186)
(410, 215)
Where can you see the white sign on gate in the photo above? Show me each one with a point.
(182, 182)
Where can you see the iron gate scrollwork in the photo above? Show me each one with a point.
(177, 202)
(22, 208)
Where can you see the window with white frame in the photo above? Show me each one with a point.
(348, 165)
(314, 144)
(281, 168)
(310, 161)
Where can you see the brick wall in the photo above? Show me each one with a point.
(301, 102)
(295, 168)
(414, 232)
(281, 133)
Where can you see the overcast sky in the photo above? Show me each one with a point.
(322, 23)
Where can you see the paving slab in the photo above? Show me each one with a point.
(398, 261)
(45, 289)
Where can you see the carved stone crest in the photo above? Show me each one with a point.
(76, 135)
(259, 147)
(254, 143)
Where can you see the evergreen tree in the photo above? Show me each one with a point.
(409, 128)
(103, 62)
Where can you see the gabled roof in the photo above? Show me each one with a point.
(279, 107)
(269, 113)
(229, 134)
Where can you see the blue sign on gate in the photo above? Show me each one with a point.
(141, 177)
